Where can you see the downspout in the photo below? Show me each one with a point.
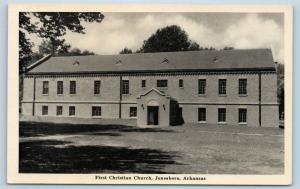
(259, 97)
(120, 100)
(33, 100)
(21, 88)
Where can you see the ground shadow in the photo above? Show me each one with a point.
(52, 156)
(105, 134)
(32, 129)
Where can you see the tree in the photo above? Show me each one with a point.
(77, 52)
(86, 52)
(126, 51)
(51, 26)
(168, 39)
(25, 45)
(280, 86)
(45, 48)
(211, 49)
(228, 48)
(194, 47)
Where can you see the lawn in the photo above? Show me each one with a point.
(190, 149)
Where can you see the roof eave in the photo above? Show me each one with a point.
(154, 71)
(37, 63)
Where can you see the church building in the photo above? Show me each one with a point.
(233, 87)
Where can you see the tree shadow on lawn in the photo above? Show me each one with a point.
(44, 156)
(33, 129)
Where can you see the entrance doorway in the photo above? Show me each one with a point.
(152, 115)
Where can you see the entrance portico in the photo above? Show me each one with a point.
(153, 108)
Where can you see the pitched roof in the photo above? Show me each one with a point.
(256, 59)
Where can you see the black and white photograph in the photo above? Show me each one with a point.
(151, 95)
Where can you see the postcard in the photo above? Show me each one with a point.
(149, 94)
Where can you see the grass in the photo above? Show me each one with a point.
(67, 148)
(33, 129)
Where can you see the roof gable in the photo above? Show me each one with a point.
(154, 90)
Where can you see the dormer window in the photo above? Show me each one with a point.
(76, 63)
(165, 60)
(215, 59)
(119, 62)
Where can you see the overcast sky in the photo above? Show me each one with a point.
(239, 30)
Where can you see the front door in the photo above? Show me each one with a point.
(152, 115)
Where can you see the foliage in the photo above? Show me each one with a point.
(25, 45)
(208, 49)
(126, 51)
(51, 26)
(78, 52)
(168, 39)
(194, 46)
(228, 48)
(280, 86)
(46, 47)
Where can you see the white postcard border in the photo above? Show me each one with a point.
(13, 176)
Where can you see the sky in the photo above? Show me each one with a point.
(238, 30)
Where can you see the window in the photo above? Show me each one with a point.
(202, 114)
(132, 112)
(125, 86)
(59, 110)
(242, 86)
(180, 83)
(242, 115)
(97, 85)
(60, 87)
(162, 83)
(71, 110)
(143, 83)
(201, 86)
(222, 86)
(221, 115)
(72, 87)
(45, 87)
(44, 110)
(96, 111)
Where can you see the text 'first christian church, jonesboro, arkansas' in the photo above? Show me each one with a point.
(234, 87)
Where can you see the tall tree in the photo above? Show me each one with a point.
(168, 39)
(51, 26)
(25, 45)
